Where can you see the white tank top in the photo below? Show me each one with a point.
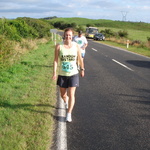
(68, 60)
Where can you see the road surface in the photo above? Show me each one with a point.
(112, 110)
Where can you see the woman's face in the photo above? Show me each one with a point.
(68, 35)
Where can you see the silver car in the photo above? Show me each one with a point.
(99, 36)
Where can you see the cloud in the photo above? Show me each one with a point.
(95, 9)
(27, 7)
(79, 13)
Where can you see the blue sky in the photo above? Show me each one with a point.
(129, 10)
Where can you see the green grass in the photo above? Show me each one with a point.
(105, 23)
(133, 34)
(136, 30)
(27, 102)
(138, 50)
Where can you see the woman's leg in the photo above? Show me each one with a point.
(63, 92)
(71, 94)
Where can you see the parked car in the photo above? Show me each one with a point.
(99, 36)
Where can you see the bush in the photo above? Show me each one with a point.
(97, 24)
(13, 33)
(40, 28)
(80, 28)
(24, 30)
(62, 25)
(17, 29)
(9, 31)
(107, 32)
(90, 25)
(123, 34)
(136, 42)
(73, 25)
(6, 48)
(148, 39)
(59, 24)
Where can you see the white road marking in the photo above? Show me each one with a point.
(94, 49)
(62, 129)
(122, 65)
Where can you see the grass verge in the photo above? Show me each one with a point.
(27, 102)
(138, 50)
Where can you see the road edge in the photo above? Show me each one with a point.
(61, 139)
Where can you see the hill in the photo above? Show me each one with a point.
(104, 23)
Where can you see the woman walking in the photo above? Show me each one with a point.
(67, 53)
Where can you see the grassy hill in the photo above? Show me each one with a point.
(105, 23)
(138, 33)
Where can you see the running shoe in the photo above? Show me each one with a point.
(68, 117)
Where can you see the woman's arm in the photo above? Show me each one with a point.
(80, 61)
(57, 48)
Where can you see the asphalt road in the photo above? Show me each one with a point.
(112, 110)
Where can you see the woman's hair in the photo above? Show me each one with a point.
(68, 29)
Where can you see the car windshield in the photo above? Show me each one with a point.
(92, 30)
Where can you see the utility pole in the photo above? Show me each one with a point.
(124, 14)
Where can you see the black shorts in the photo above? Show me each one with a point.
(68, 81)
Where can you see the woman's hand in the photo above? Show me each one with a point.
(82, 73)
(54, 77)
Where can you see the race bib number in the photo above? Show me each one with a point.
(79, 42)
(67, 66)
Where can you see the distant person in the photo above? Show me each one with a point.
(82, 42)
(67, 53)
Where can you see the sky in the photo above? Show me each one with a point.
(122, 10)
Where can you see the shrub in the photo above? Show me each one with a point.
(24, 30)
(148, 42)
(107, 32)
(123, 34)
(73, 25)
(90, 25)
(41, 28)
(80, 28)
(8, 30)
(97, 24)
(16, 37)
(136, 42)
(62, 25)
(148, 38)
(6, 48)
(17, 29)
